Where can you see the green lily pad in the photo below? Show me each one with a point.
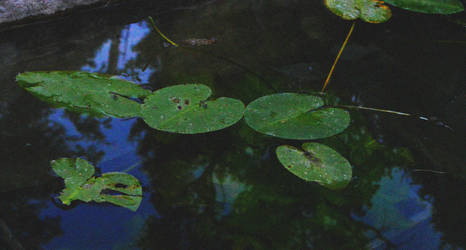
(185, 109)
(372, 11)
(295, 116)
(80, 185)
(98, 94)
(429, 6)
(75, 172)
(317, 163)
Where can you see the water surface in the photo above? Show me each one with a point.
(226, 189)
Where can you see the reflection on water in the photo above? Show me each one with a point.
(116, 55)
(401, 214)
(225, 189)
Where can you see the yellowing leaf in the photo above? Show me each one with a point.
(372, 11)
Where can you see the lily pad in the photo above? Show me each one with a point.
(372, 11)
(295, 116)
(185, 109)
(80, 185)
(317, 163)
(98, 94)
(429, 6)
(75, 172)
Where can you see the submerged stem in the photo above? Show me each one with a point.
(338, 56)
(375, 109)
(424, 118)
(429, 171)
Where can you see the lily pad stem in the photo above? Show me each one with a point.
(161, 34)
(338, 57)
(375, 109)
(424, 118)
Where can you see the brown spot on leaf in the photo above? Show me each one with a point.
(175, 99)
(203, 104)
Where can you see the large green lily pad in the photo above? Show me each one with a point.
(372, 11)
(295, 116)
(98, 94)
(429, 6)
(185, 109)
(317, 163)
(80, 185)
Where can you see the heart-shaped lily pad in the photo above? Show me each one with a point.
(317, 163)
(98, 94)
(295, 116)
(372, 11)
(80, 185)
(429, 6)
(185, 109)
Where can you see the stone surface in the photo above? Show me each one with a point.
(14, 10)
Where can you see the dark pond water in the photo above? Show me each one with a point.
(226, 189)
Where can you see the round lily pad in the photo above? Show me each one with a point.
(372, 11)
(97, 94)
(295, 116)
(429, 6)
(317, 163)
(185, 109)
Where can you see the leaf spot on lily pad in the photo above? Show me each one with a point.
(199, 114)
(80, 185)
(175, 99)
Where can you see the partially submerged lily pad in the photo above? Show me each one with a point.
(429, 6)
(295, 116)
(185, 109)
(372, 11)
(98, 94)
(80, 185)
(317, 163)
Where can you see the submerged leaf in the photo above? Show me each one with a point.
(317, 163)
(372, 11)
(80, 185)
(185, 109)
(98, 94)
(295, 116)
(429, 6)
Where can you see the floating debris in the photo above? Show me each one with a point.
(199, 41)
